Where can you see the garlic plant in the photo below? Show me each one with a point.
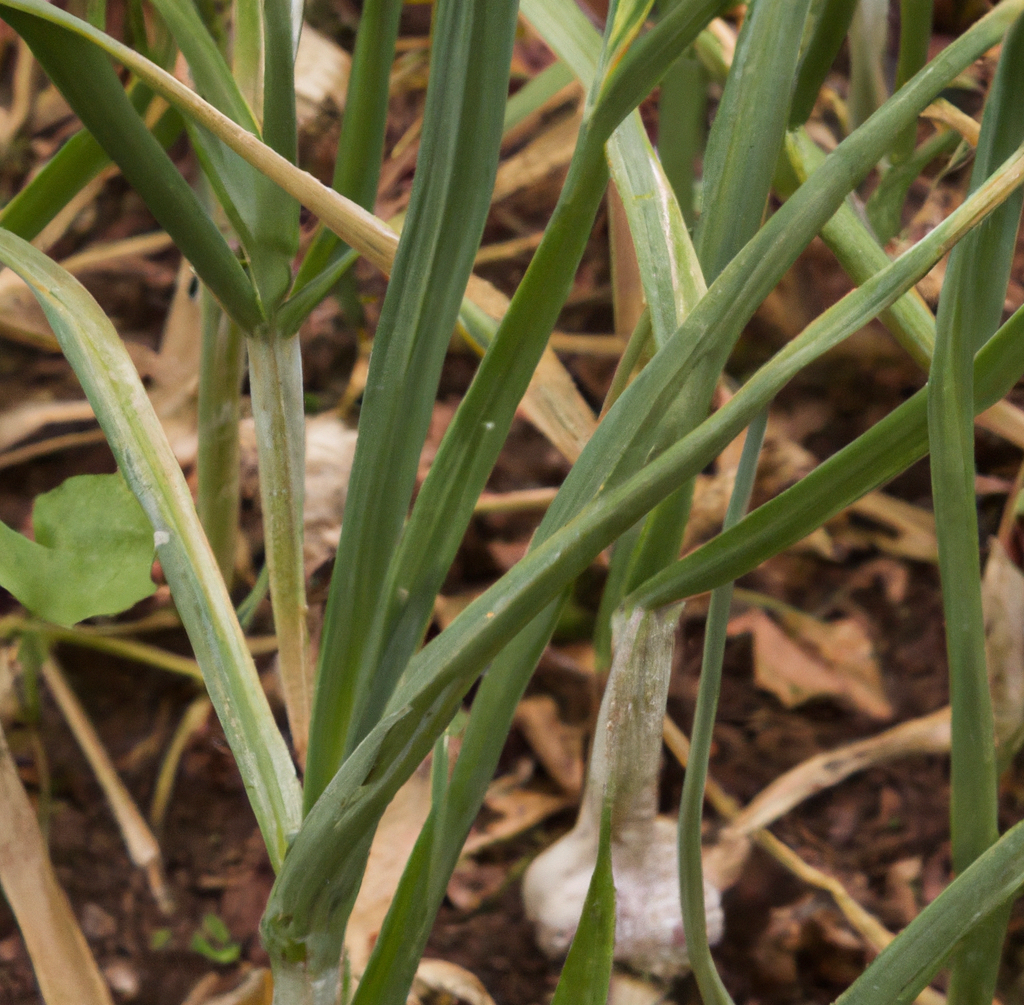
(380, 700)
(625, 763)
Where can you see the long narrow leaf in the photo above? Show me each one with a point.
(903, 969)
(352, 223)
(746, 136)
(112, 385)
(691, 803)
(501, 687)
(441, 673)
(64, 965)
(71, 168)
(276, 227)
(832, 20)
(361, 142)
(462, 129)
(587, 971)
(471, 444)
(743, 148)
(209, 69)
(880, 454)
(969, 311)
(88, 81)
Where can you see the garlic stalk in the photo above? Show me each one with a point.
(625, 763)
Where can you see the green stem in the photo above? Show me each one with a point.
(111, 382)
(868, 37)
(220, 385)
(361, 143)
(691, 873)
(275, 378)
(915, 34)
(682, 114)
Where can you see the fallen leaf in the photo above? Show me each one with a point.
(835, 660)
(507, 553)
(894, 576)
(330, 448)
(440, 980)
(547, 152)
(30, 418)
(557, 745)
(396, 835)
(174, 383)
(322, 70)
(909, 531)
(924, 735)
(516, 809)
(256, 988)
(900, 897)
(1002, 595)
(625, 987)
(473, 883)
(63, 963)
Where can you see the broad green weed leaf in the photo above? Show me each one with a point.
(92, 552)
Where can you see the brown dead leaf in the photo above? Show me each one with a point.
(626, 987)
(1002, 595)
(900, 896)
(910, 530)
(322, 69)
(30, 418)
(555, 406)
(923, 735)
(330, 448)
(174, 387)
(809, 929)
(448, 607)
(63, 962)
(949, 115)
(894, 576)
(442, 981)
(516, 808)
(1006, 419)
(255, 989)
(507, 553)
(830, 659)
(547, 152)
(557, 745)
(472, 883)
(396, 835)
(552, 403)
